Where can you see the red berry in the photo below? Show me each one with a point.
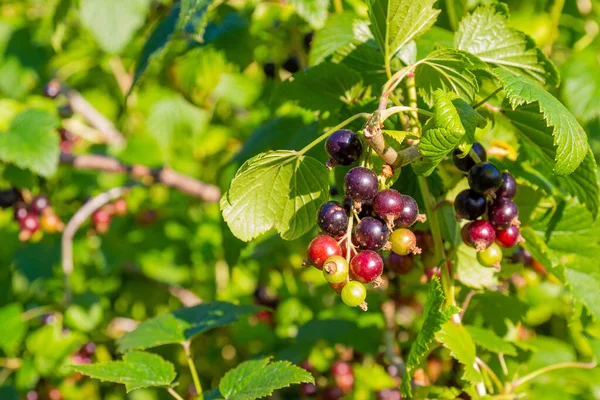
(479, 234)
(101, 217)
(341, 368)
(399, 264)
(366, 266)
(39, 204)
(388, 204)
(504, 213)
(332, 393)
(30, 223)
(120, 207)
(508, 237)
(321, 248)
(20, 211)
(371, 233)
(337, 286)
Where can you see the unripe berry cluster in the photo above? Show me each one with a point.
(488, 206)
(31, 216)
(346, 252)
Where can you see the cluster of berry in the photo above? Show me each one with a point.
(85, 353)
(347, 256)
(32, 216)
(52, 90)
(341, 375)
(102, 218)
(490, 196)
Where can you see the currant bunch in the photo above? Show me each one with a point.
(102, 218)
(366, 222)
(32, 215)
(488, 206)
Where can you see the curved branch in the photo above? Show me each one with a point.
(375, 139)
(166, 176)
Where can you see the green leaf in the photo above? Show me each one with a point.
(437, 392)
(113, 22)
(51, 347)
(453, 120)
(448, 70)
(485, 34)
(488, 340)
(137, 370)
(31, 142)
(182, 325)
(313, 11)
(337, 33)
(394, 23)
(278, 189)
(570, 139)
(580, 88)
(496, 308)
(259, 378)
(457, 339)
(470, 272)
(194, 17)
(434, 316)
(13, 328)
(326, 86)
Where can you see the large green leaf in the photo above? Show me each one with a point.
(194, 16)
(470, 272)
(581, 85)
(137, 370)
(31, 142)
(570, 139)
(454, 120)
(434, 316)
(448, 70)
(278, 189)
(259, 378)
(485, 33)
(313, 11)
(487, 339)
(14, 328)
(457, 339)
(394, 23)
(182, 325)
(113, 22)
(337, 33)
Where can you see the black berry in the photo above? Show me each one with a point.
(485, 178)
(9, 197)
(508, 188)
(371, 233)
(65, 111)
(269, 69)
(366, 266)
(409, 213)
(343, 147)
(503, 213)
(263, 297)
(291, 64)
(388, 204)
(308, 38)
(332, 218)
(466, 163)
(469, 205)
(361, 184)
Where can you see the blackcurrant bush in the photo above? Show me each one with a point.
(508, 237)
(479, 234)
(469, 205)
(485, 178)
(508, 188)
(30, 223)
(52, 89)
(400, 264)
(39, 204)
(361, 185)
(388, 204)
(9, 197)
(404, 242)
(343, 147)
(503, 213)
(332, 218)
(335, 269)
(269, 69)
(409, 214)
(371, 233)
(354, 294)
(291, 64)
(366, 266)
(491, 256)
(466, 163)
(321, 248)
(344, 382)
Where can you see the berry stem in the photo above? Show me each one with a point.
(348, 236)
(486, 98)
(438, 245)
(388, 112)
(193, 371)
(412, 102)
(535, 374)
(330, 131)
(173, 393)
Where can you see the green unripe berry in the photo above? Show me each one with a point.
(335, 269)
(404, 242)
(354, 294)
(491, 256)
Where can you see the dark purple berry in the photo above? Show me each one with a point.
(332, 218)
(343, 147)
(9, 197)
(479, 234)
(361, 184)
(263, 297)
(292, 65)
(308, 38)
(366, 209)
(65, 111)
(89, 348)
(20, 211)
(508, 188)
(371, 233)
(466, 163)
(469, 205)
(39, 204)
(332, 393)
(309, 389)
(503, 213)
(424, 241)
(409, 214)
(508, 237)
(52, 89)
(269, 70)
(388, 204)
(366, 266)
(485, 178)
(400, 264)
(523, 256)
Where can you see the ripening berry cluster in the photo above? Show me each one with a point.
(488, 205)
(102, 218)
(31, 216)
(346, 252)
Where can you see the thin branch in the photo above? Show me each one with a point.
(73, 225)
(489, 96)
(466, 303)
(491, 373)
(503, 364)
(480, 387)
(166, 176)
(535, 374)
(173, 393)
(187, 297)
(123, 78)
(188, 355)
(374, 136)
(393, 83)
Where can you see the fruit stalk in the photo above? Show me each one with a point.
(193, 371)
